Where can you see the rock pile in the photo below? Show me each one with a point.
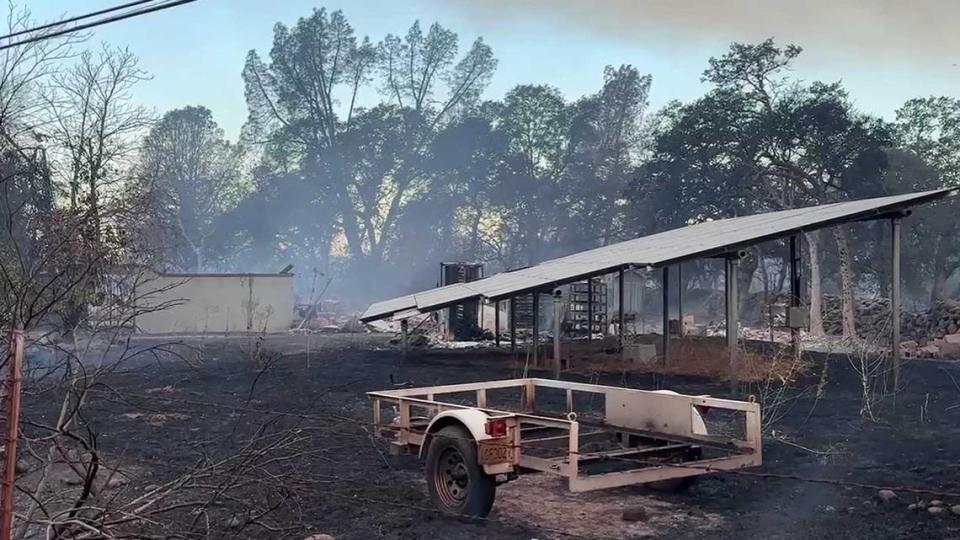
(872, 316)
(942, 319)
(873, 319)
(934, 333)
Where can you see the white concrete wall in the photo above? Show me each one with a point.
(215, 303)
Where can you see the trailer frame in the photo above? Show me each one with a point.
(671, 421)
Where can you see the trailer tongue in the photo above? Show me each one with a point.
(477, 435)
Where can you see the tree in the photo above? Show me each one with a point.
(605, 133)
(463, 163)
(758, 142)
(192, 176)
(95, 124)
(929, 128)
(534, 120)
(296, 112)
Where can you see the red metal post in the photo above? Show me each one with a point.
(13, 432)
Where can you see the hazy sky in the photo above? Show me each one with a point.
(885, 51)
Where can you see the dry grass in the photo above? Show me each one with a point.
(705, 357)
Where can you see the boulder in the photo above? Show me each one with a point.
(116, 481)
(953, 339)
(886, 495)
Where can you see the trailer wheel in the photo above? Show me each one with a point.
(457, 483)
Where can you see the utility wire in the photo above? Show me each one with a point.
(77, 18)
(105, 20)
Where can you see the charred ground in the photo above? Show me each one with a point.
(317, 468)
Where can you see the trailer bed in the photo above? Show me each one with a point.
(595, 436)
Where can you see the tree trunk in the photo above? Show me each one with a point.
(881, 257)
(95, 207)
(846, 284)
(938, 290)
(748, 267)
(782, 274)
(474, 241)
(816, 294)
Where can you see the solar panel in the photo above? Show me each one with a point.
(691, 242)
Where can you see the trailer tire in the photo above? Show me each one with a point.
(456, 481)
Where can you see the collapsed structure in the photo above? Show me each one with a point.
(724, 238)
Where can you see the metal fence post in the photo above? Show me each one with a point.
(13, 430)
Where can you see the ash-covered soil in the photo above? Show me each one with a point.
(163, 418)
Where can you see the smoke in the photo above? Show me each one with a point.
(873, 31)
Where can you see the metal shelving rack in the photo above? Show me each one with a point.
(578, 307)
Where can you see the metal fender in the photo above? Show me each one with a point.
(697, 424)
(472, 419)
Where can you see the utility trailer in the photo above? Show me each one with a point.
(475, 436)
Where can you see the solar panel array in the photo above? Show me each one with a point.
(694, 241)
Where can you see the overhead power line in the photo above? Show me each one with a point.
(100, 22)
(77, 18)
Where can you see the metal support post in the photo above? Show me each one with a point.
(733, 322)
(589, 310)
(680, 328)
(404, 337)
(665, 285)
(536, 326)
(620, 319)
(795, 292)
(557, 309)
(496, 323)
(513, 326)
(14, 382)
(895, 300)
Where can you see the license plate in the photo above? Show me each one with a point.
(494, 453)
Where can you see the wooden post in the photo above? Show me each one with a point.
(666, 313)
(404, 335)
(895, 300)
(13, 432)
